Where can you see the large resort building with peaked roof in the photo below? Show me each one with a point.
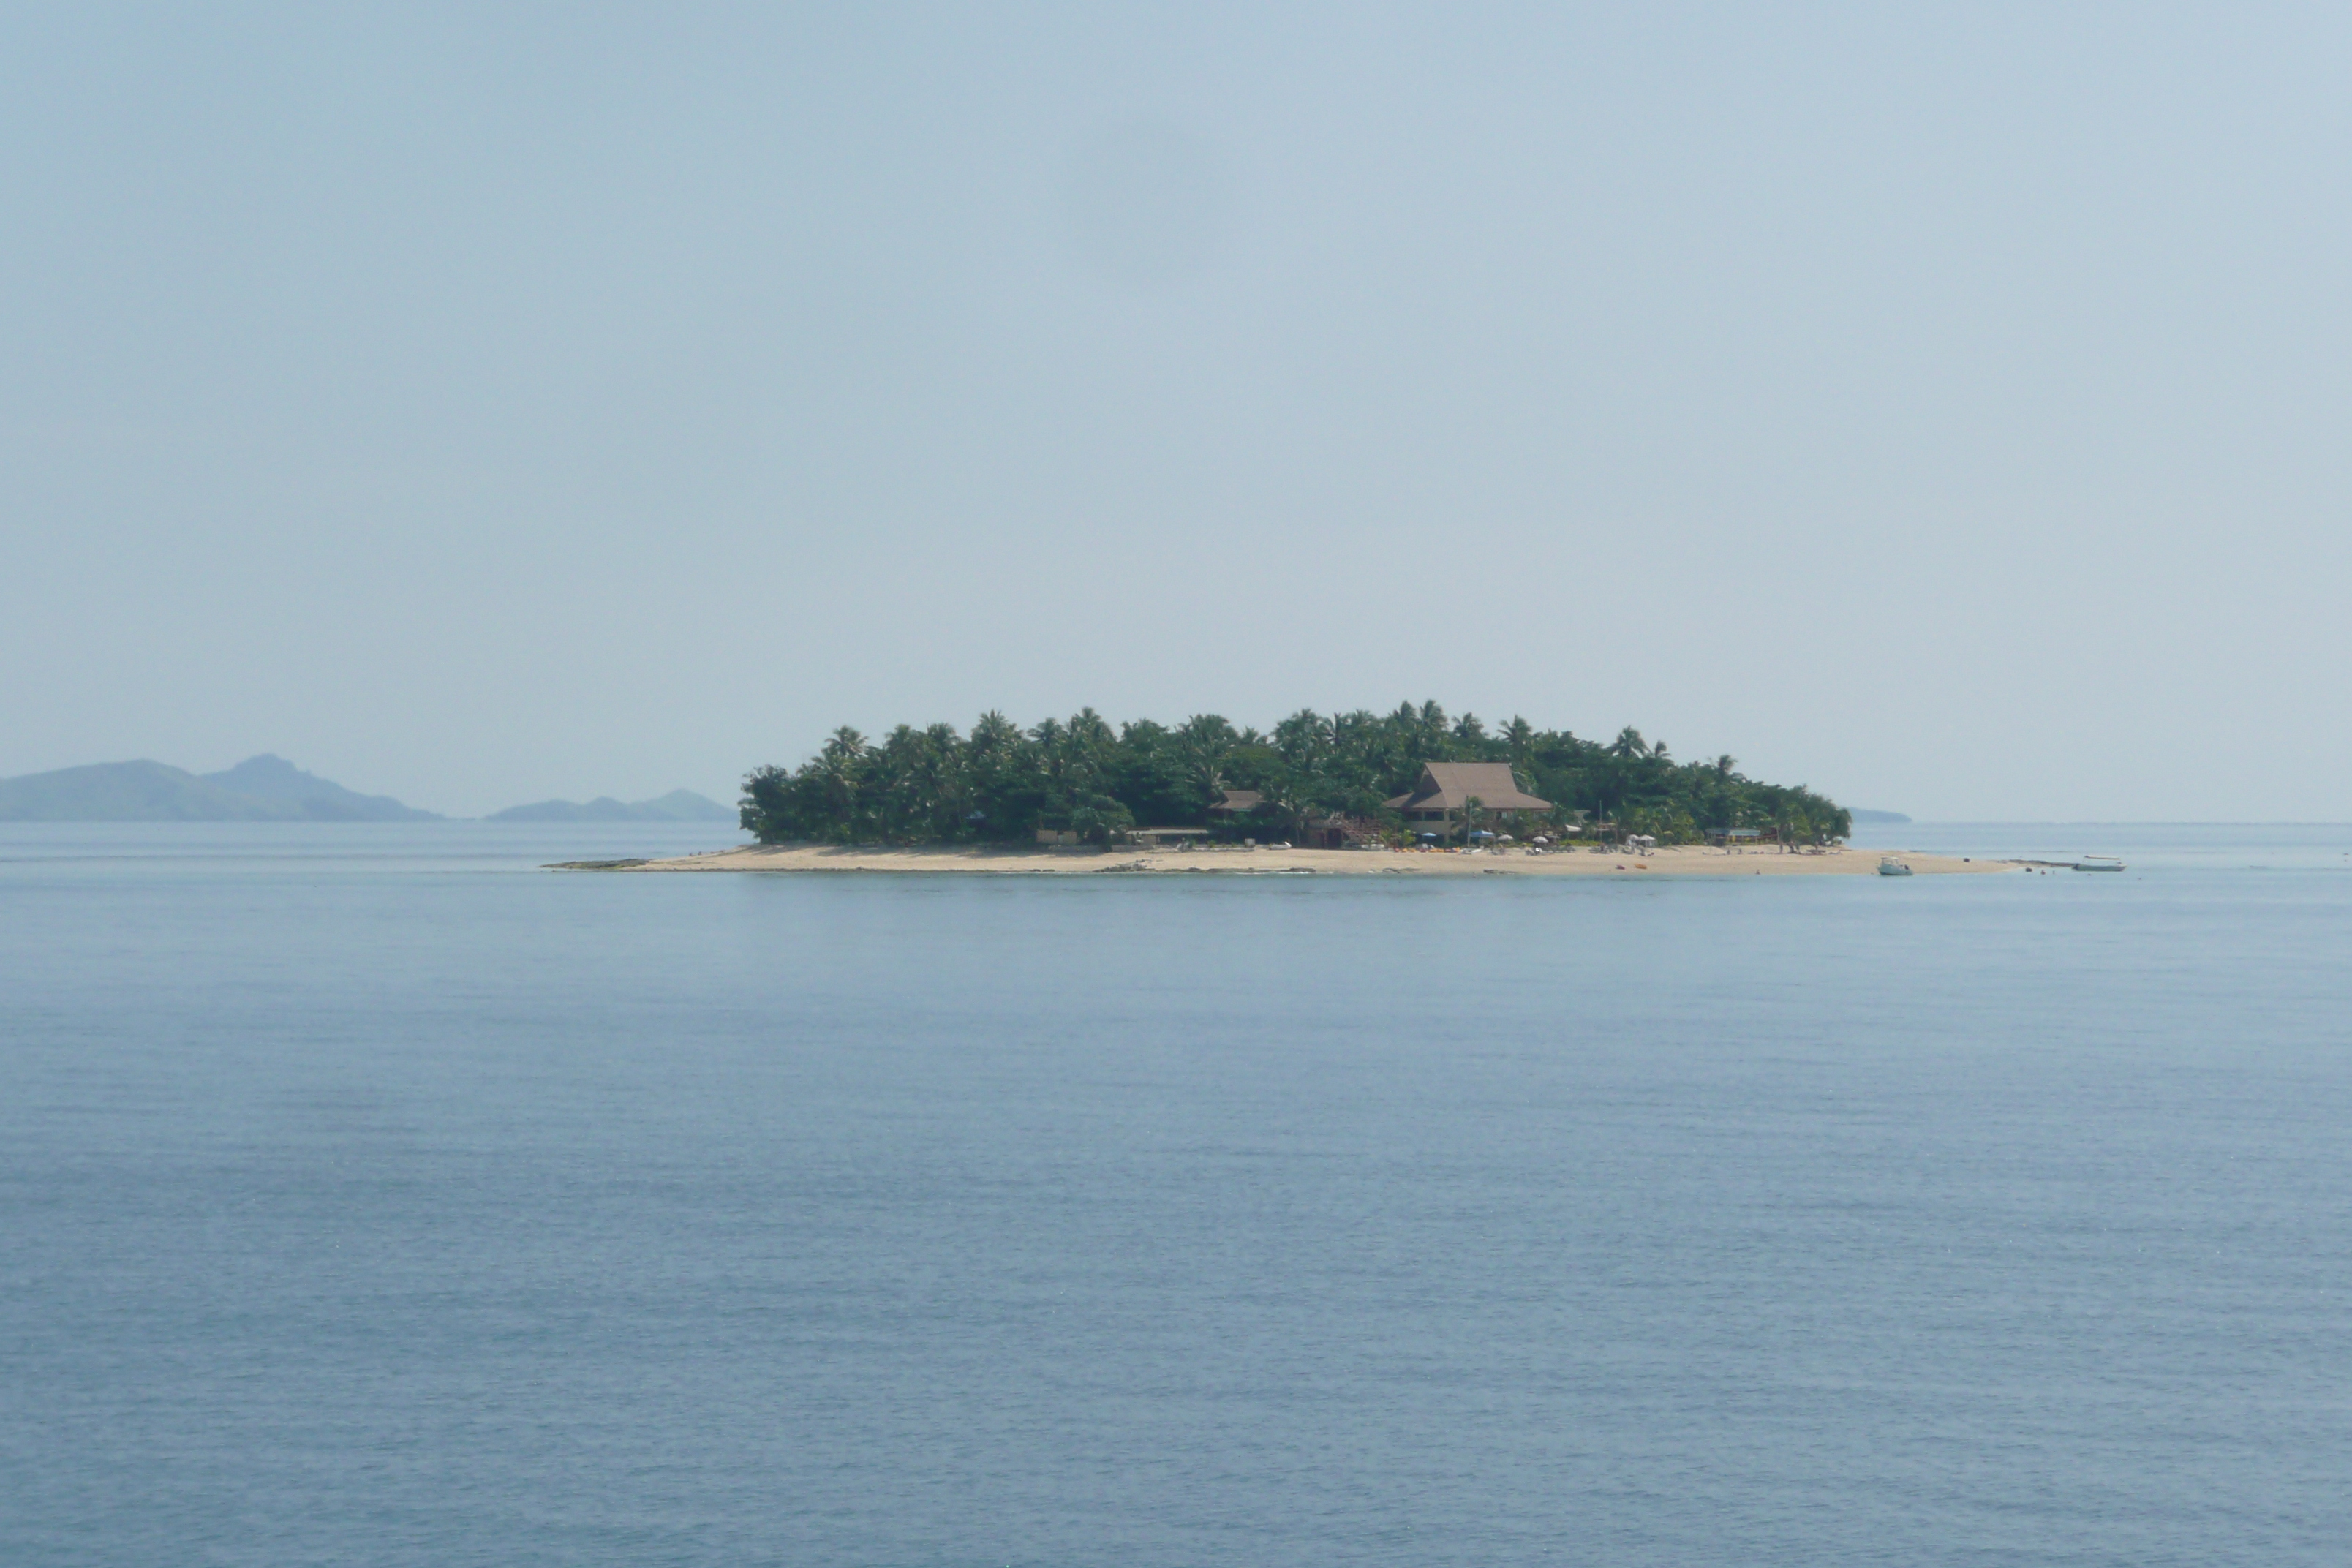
(1439, 800)
(1438, 804)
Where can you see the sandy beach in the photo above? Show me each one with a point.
(1681, 861)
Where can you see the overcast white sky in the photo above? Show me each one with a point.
(1946, 409)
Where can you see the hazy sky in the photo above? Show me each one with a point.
(1945, 408)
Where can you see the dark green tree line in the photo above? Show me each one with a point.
(1002, 783)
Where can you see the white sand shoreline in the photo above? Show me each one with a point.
(1681, 860)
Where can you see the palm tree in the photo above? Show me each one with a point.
(1000, 770)
(1288, 798)
(840, 769)
(1303, 738)
(1201, 743)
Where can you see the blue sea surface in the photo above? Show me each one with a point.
(371, 1196)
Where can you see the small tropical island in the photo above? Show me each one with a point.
(1423, 790)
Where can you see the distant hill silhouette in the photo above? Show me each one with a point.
(266, 777)
(259, 789)
(1884, 819)
(677, 805)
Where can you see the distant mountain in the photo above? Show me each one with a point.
(677, 805)
(265, 777)
(127, 791)
(260, 789)
(1882, 818)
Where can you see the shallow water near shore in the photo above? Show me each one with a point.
(369, 1195)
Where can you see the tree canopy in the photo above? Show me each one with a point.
(1001, 783)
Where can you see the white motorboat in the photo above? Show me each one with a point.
(1888, 866)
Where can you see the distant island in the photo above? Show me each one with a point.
(1326, 781)
(1880, 818)
(270, 789)
(260, 789)
(677, 805)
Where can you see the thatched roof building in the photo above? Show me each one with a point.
(1446, 787)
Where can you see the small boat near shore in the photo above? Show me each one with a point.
(1888, 866)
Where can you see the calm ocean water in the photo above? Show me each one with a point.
(370, 1197)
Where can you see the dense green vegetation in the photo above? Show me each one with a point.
(1002, 782)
